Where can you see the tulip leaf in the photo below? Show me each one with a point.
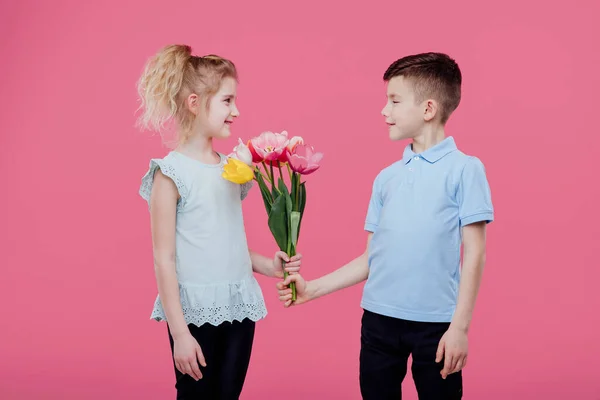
(278, 222)
(302, 198)
(288, 210)
(294, 194)
(301, 204)
(265, 192)
(295, 228)
(284, 192)
(273, 187)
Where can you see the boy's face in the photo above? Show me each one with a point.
(403, 115)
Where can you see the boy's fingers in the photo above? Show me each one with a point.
(447, 363)
(292, 268)
(461, 363)
(454, 364)
(285, 297)
(458, 366)
(440, 352)
(284, 292)
(288, 303)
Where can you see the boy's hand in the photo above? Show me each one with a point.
(453, 348)
(285, 293)
(292, 265)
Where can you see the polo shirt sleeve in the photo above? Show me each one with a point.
(375, 205)
(474, 195)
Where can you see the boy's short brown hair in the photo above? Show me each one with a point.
(433, 75)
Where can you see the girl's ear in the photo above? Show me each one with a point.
(193, 104)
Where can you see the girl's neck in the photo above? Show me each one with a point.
(199, 148)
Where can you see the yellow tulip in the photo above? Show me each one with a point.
(237, 171)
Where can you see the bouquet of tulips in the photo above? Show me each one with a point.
(284, 204)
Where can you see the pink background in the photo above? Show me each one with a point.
(76, 254)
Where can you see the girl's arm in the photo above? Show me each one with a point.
(163, 215)
(272, 267)
(163, 206)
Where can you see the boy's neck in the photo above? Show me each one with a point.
(429, 137)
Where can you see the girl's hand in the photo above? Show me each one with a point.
(292, 265)
(187, 353)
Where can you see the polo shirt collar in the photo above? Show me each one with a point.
(432, 154)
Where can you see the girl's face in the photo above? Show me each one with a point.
(216, 121)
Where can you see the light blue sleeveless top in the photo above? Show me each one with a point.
(214, 270)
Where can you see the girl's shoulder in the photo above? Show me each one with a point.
(171, 167)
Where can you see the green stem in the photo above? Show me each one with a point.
(267, 171)
(263, 175)
(297, 191)
(279, 167)
(275, 186)
(271, 178)
(285, 273)
(289, 170)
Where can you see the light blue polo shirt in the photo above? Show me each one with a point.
(417, 208)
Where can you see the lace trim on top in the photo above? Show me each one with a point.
(167, 170)
(215, 304)
(246, 189)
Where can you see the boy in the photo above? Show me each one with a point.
(421, 209)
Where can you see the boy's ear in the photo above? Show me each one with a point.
(431, 109)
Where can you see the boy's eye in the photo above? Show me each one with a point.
(395, 102)
(228, 100)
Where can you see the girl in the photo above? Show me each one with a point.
(207, 292)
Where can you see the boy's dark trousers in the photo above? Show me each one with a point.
(227, 349)
(386, 344)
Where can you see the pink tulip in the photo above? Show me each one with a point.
(269, 146)
(293, 142)
(255, 157)
(242, 152)
(303, 159)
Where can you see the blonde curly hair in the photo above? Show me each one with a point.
(169, 77)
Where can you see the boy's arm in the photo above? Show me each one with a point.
(454, 344)
(472, 270)
(350, 274)
(273, 267)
